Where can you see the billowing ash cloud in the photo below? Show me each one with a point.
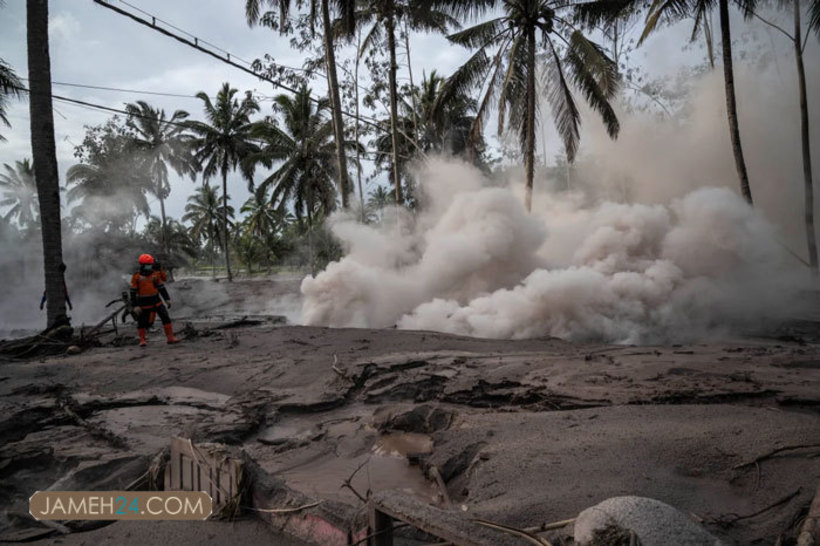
(475, 263)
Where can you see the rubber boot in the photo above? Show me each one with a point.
(141, 332)
(169, 333)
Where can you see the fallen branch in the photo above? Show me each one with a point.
(286, 510)
(534, 539)
(775, 452)
(347, 484)
(442, 487)
(550, 526)
(338, 370)
(726, 520)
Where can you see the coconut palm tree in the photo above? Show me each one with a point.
(387, 15)
(345, 8)
(10, 86)
(205, 214)
(110, 186)
(19, 193)
(223, 142)
(45, 158)
(507, 59)
(161, 142)
(304, 153)
(177, 240)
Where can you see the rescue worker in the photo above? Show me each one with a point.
(163, 276)
(146, 289)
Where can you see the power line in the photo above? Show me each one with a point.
(184, 125)
(135, 91)
(259, 96)
(152, 24)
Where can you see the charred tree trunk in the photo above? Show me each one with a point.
(529, 152)
(805, 141)
(45, 159)
(335, 104)
(731, 101)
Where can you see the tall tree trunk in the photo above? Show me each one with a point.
(358, 151)
(529, 152)
(806, 144)
(412, 86)
(310, 241)
(731, 102)
(164, 235)
(390, 23)
(335, 104)
(211, 245)
(45, 158)
(225, 221)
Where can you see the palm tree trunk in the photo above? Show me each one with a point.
(530, 120)
(45, 158)
(225, 220)
(390, 23)
(211, 245)
(164, 238)
(412, 87)
(335, 103)
(806, 144)
(358, 151)
(310, 241)
(731, 102)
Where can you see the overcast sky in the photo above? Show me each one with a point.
(92, 45)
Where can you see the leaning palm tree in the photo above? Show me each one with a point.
(10, 86)
(660, 11)
(506, 62)
(44, 156)
(223, 142)
(19, 193)
(304, 151)
(205, 215)
(345, 9)
(161, 142)
(387, 15)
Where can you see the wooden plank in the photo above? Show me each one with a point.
(381, 527)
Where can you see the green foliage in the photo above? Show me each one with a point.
(302, 152)
(568, 60)
(10, 86)
(110, 182)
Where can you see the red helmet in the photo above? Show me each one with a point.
(146, 259)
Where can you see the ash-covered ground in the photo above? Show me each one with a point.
(522, 432)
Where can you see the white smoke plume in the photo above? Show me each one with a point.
(476, 264)
(653, 243)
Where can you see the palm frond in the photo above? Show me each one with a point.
(595, 60)
(480, 35)
(598, 13)
(564, 111)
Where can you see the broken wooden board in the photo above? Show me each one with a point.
(212, 468)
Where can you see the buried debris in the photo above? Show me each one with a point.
(213, 468)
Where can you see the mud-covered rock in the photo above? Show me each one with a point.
(655, 523)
